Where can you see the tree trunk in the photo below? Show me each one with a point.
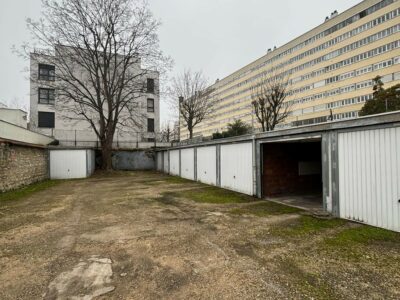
(106, 154)
(190, 133)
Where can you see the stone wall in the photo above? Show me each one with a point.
(21, 165)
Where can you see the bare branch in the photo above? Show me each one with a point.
(198, 100)
(268, 101)
(102, 51)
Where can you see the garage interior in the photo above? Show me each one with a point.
(292, 173)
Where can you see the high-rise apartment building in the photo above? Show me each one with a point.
(330, 67)
(60, 118)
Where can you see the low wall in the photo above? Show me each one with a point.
(21, 165)
(133, 160)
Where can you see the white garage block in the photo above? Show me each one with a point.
(237, 167)
(174, 162)
(369, 177)
(187, 163)
(207, 165)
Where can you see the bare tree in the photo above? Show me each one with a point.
(268, 101)
(192, 98)
(103, 51)
(168, 132)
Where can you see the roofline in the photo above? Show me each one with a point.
(9, 108)
(3, 140)
(367, 121)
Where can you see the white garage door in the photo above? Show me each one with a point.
(187, 163)
(174, 162)
(236, 167)
(165, 153)
(369, 177)
(68, 164)
(159, 161)
(207, 165)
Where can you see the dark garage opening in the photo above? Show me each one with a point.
(292, 173)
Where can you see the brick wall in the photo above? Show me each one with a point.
(281, 168)
(21, 165)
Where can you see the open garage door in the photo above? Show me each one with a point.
(292, 172)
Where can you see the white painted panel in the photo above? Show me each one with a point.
(174, 162)
(67, 164)
(165, 166)
(236, 167)
(90, 161)
(159, 161)
(369, 177)
(207, 165)
(187, 163)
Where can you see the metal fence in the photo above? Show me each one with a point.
(122, 140)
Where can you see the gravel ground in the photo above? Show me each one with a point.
(140, 235)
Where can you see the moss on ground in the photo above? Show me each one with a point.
(265, 208)
(28, 190)
(176, 179)
(210, 194)
(362, 235)
(306, 225)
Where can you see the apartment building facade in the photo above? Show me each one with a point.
(330, 69)
(58, 119)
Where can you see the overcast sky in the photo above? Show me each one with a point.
(216, 36)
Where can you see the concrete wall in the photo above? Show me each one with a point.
(14, 116)
(134, 160)
(21, 165)
(16, 133)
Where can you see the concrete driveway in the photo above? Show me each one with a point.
(144, 235)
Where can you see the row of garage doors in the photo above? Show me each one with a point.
(368, 172)
(233, 167)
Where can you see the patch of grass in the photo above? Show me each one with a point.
(362, 235)
(28, 190)
(177, 179)
(306, 225)
(265, 208)
(210, 194)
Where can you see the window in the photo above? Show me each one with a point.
(46, 72)
(150, 125)
(150, 105)
(46, 119)
(46, 96)
(150, 85)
